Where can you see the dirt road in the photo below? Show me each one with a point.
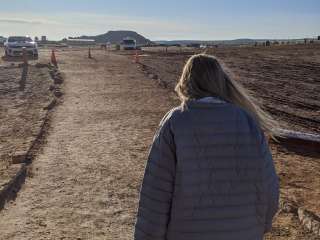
(84, 184)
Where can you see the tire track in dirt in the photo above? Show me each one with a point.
(85, 183)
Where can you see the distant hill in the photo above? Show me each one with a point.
(117, 36)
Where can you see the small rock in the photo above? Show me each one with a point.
(309, 220)
(57, 79)
(58, 93)
(162, 83)
(155, 77)
(41, 65)
(42, 224)
(51, 105)
(21, 65)
(52, 87)
(288, 207)
(19, 158)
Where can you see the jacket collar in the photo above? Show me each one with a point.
(206, 102)
(210, 100)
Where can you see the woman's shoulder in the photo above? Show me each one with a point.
(171, 114)
(180, 114)
(246, 120)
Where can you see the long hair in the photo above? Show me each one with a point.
(204, 76)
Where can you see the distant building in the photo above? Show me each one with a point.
(43, 38)
(80, 42)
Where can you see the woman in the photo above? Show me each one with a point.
(210, 174)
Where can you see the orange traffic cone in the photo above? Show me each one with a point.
(136, 57)
(54, 59)
(89, 53)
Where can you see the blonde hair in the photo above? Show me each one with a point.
(204, 76)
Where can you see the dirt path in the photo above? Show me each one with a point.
(84, 183)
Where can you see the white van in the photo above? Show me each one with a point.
(128, 44)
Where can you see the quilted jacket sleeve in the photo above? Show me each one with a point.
(157, 187)
(272, 184)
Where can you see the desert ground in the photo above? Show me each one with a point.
(83, 182)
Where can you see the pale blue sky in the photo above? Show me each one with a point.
(163, 20)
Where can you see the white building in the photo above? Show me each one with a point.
(81, 42)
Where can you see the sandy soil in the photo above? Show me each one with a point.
(21, 107)
(85, 182)
(24, 93)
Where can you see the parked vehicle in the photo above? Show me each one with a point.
(128, 44)
(2, 40)
(14, 46)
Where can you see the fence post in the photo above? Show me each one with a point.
(89, 53)
(24, 56)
